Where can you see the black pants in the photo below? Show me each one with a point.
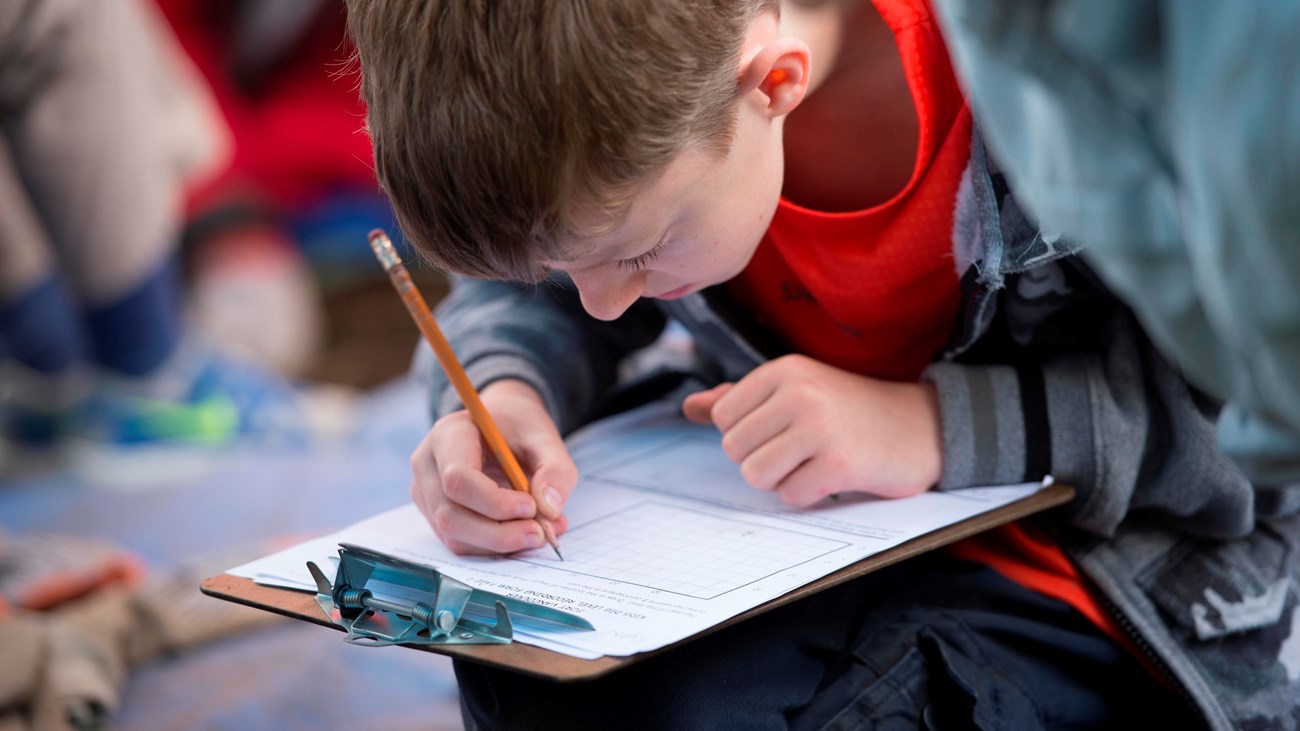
(931, 643)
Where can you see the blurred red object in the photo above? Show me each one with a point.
(280, 73)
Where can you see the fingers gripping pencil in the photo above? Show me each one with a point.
(419, 309)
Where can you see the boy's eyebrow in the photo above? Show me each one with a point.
(566, 266)
(560, 267)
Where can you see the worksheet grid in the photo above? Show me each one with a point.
(685, 552)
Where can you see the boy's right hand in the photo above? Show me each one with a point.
(460, 489)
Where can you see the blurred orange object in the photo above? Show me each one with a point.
(74, 583)
(41, 571)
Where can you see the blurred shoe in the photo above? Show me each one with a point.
(35, 410)
(183, 420)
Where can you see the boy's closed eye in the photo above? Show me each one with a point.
(637, 263)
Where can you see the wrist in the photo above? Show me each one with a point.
(511, 390)
(930, 431)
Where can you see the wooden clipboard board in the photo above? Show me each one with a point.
(555, 666)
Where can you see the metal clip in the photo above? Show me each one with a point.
(384, 601)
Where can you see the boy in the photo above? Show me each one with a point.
(671, 159)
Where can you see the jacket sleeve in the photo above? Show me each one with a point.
(1081, 394)
(538, 334)
(1138, 127)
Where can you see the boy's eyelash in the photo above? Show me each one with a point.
(636, 264)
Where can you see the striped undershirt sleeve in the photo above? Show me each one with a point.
(995, 424)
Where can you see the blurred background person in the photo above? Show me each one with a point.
(282, 228)
(105, 127)
(185, 283)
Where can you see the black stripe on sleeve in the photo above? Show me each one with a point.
(1038, 434)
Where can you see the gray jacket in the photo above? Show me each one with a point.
(1165, 136)
(1046, 373)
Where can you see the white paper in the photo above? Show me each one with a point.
(665, 539)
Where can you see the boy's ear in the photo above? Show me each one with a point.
(780, 72)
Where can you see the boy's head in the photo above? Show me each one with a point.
(634, 144)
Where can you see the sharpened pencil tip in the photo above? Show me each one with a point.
(548, 533)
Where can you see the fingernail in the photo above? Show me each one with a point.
(526, 509)
(553, 500)
(532, 540)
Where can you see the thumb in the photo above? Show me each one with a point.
(554, 475)
(698, 407)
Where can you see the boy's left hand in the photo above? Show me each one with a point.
(808, 430)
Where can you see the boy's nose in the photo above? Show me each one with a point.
(605, 297)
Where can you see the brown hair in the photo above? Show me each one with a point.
(494, 120)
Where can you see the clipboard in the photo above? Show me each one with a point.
(543, 663)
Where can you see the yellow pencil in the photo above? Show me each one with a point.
(419, 310)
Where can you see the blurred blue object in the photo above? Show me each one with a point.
(333, 231)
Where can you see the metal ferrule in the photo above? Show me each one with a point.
(385, 251)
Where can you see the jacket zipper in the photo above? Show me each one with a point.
(1153, 659)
